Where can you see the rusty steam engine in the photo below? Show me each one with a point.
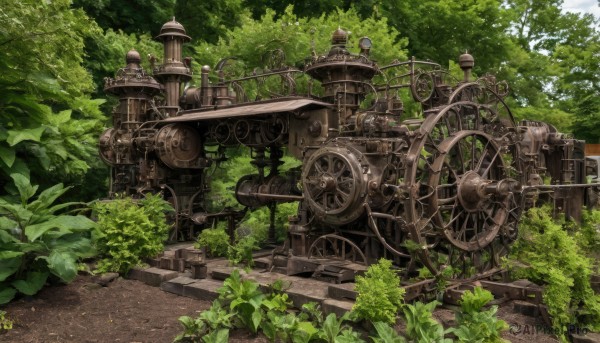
(444, 190)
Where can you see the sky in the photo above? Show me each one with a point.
(582, 6)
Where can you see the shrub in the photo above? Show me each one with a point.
(130, 231)
(546, 254)
(379, 294)
(242, 251)
(37, 240)
(215, 240)
(589, 235)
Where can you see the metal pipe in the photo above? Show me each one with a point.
(550, 187)
(274, 196)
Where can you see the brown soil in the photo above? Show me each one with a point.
(130, 311)
(83, 311)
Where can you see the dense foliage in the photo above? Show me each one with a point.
(547, 254)
(379, 293)
(216, 241)
(130, 231)
(48, 123)
(38, 240)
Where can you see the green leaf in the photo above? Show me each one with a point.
(15, 137)
(7, 294)
(21, 214)
(218, 336)
(74, 242)
(18, 167)
(7, 155)
(26, 190)
(63, 264)
(7, 224)
(47, 197)
(256, 319)
(9, 267)
(387, 334)
(6, 237)
(61, 117)
(6, 255)
(34, 282)
(67, 224)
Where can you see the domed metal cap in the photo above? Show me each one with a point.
(133, 57)
(339, 37)
(466, 61)
(172, 29)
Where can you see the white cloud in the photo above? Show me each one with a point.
(582, 6)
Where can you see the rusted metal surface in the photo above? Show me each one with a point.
(440, 195)
(280, 106)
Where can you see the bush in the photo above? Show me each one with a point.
(37, 240)
(589, 235)
(242, 251)
(379, 294)
(215, 240)
(130, 231)
(547, 254)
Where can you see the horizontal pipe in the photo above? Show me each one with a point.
(273, 196)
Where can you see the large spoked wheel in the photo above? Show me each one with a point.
(337, 248)
(470, 201)
(460, 197)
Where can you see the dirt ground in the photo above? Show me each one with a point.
(130, 311)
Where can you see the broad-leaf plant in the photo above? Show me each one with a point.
(38, 239)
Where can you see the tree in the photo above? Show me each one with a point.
(209, 20)
(133, 16)
(443, 30)
(48, 123)
(254, 40)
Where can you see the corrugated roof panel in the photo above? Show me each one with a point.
(249, 110)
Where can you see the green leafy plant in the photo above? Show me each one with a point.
(5, 322)
(215, 240)
(130, 231)
(333, 327)
(193, 329)
(37, 240)
(589, 235)
(244, 298)
(242, 251)
(211, 325)
(475, 323)
(312, 311)
(547, 254)
(247, 307)
(420, 324)
(379, 294)
(386, 334)
(288, 327)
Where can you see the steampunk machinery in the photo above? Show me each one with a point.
(441, 188)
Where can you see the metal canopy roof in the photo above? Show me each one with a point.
(249, 110)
